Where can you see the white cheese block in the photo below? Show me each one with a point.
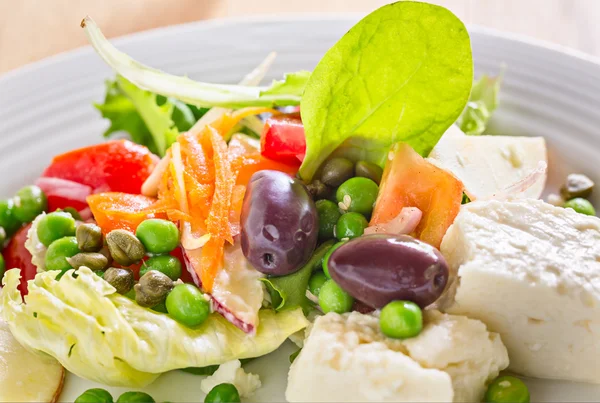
(27, 376)
(489, 164)
(531, 272)
(346, 358)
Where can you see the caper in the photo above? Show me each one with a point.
(120, 278)
(93, 261)
(89, 237)
(369, 170)
(124, 247)
(577, 185)
(337, 171)
(152, 289)
(318, 190)
(104, 251)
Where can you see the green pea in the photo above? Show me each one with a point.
(401, 319)
(369, 170)
(336, 171)
(316, 283)
(158, 236)
(96, 395)
(326, 258)
(505, 389)
(332, 298)
(357, 195)
(2, 266)
(186, 304)
(223, 393)
(135, 397)
(350, 225)
(328, 213)
(2, 237)
(581, 206)
(59, 251)
(30, 202)
(54, 226)
(167, 264)
(71, 210)
(8, 221)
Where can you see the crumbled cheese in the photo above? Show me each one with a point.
(232, 372)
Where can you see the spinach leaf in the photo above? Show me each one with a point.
(403, 73)
(289, 292)
(482, 102)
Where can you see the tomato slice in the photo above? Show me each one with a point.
(411, 181)
(283, 139)
(117, 166)
(16, 256)
(62, 193)
(123, 211)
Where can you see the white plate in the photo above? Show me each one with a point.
(45, 109)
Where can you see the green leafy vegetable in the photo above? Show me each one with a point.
(151, 120)
(289, 292)
(120, 343)
(482, 102)
(279, 93)
(403, 73)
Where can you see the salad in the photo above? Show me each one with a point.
(358, 210)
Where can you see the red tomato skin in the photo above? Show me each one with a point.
(62, 193)
(283, 139)
(117, 166)
(16, 256)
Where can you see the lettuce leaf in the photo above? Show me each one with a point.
(279, 93)
(289, 292)
(482, 102)
(103, 336)
(403, 73)
(150, 120)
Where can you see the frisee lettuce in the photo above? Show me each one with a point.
(482, 102)
(279, 93)
(150, 119)
(403, 73)
(103, 336)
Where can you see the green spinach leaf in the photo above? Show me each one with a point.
(403, 73)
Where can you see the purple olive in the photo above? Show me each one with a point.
(279, 223)
(378, 269)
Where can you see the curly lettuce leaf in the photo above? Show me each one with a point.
(150, 120)
(279, 93)
(103, 336)
(403, 73)
(482, 102)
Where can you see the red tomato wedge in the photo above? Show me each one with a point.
(117, 166)
(411, 181)
(283, 139)
(124, 211)
(62, 193)
(16, 256)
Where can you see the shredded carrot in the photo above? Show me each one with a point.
(211, 261)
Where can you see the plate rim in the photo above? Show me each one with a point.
(148, 34)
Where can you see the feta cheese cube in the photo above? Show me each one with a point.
(531, 272)
(346, 358)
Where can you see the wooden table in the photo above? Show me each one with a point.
(34, 29)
